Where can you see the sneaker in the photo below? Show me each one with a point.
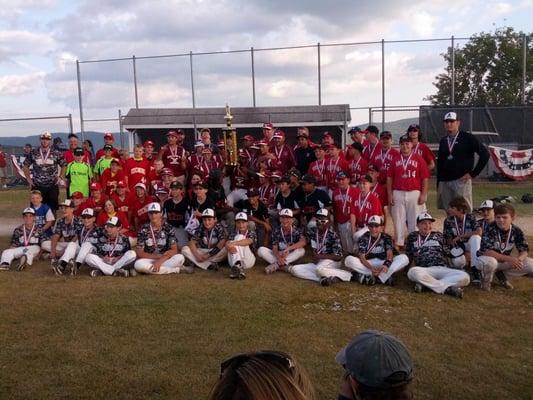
(329, 280)
(476, 276)
(355, 276)
(454, 291)
(486, 281)
(23, 262)
(234, 272)
(502, 280)
(270, 269)
(4, 267)
(419, 288)
(121, 272)
(361, 278)
(213, 267)
(96, 272)
(390, 282)
(370, 280)
(242, 275)
(73, 268)
(186, 269)
(56, 266)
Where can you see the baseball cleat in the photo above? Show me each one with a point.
(73, 268)
(213, 267)
(454, 291)
(390, 281)
(121, 272)
(419, 288)
(56, 266)
(96, 272)
(370, 280)
(270, 269)
(361, 278)
(4, 266)
(502, 280)
(23, 262)
(329, 280)
(186, 269)
(234, 272)
(476, 276)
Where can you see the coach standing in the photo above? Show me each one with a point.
(45, 161)
(455, 162)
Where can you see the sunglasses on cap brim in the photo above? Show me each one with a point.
(270, 356)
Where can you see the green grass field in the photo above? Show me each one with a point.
(164, 337)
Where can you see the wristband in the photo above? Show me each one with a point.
(387, 263)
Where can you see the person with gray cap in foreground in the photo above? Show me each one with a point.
(25, 242)
(326, 246)
(112, 252)
(157, 248)
(429, 251)
(455, 162)
(240, 247)
(377, 366)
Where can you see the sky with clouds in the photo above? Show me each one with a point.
(40, 40)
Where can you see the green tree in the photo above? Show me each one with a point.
(488, 71)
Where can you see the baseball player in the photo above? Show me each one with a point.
(343, 197)
(87, 236)
(25, 242)
(65, 230)
(318, 168)
(365, 205)
(327, 250)
(112, 252)
(156, 246)
(357, 165)
(375, 256)
(487, 211)
(335, 164)
(429, 251)
(240, 247)
(498, 241)
(287, 244)
(407, 187)
(207, 246)
(459, 227)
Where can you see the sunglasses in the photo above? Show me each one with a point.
(267, 355)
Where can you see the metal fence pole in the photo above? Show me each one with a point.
(382, 84)
(524, 67)
(452, 93)
(70, 127)
(135, 81)
(369, 115)
(192, 81)
(253, 75)
(121, 128)
(82, 129)
(319, 76)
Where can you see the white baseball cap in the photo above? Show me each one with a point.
(67, 203)
(88, 211)
(286, 212)
(141, 185)
(375, 220)
(208, 212)
(425, 216)
(450, 116)
(28, 210)
(154, 207)
(241, 216)
(322, 213)
(113, 221)
(487, 204)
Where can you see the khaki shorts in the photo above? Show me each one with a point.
(447, 191)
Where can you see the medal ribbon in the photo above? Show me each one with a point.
(372, 245)
(452, 143)
(462, 230)
(110, 254)
(27, 238)
(319, 244)
(502, 248)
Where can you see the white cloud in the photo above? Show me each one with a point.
(21, 42)
(14, 85)
(423, 23)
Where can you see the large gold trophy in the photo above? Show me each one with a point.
(231, 151)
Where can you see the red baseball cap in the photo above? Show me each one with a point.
(77, 195)
(279, 134)
(148, 143)
(172, 133)
(121, 184)
(262, 143)
(109, 135)
(95, 186)
(248, 137)
(167, 171)
(268, 125)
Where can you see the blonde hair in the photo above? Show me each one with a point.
(258, 378)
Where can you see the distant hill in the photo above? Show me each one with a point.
(398, 128)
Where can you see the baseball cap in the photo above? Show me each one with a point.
(354, 129)
(372, 129)
(278, 134)
(203, 185)
(377, 360)
(141, 185)
(425, 216)
(385, 134)
(261, 143)
(88, 212)
(108, 135)
(302, 134)
(323, 213)
(367, 178)
(95, 186)
(198, 143)
(252, 193)
(308, 178)
(405, 138)
(172, 133)
(413, 127)
(167, 171)
(248, 137)
(121, 184)
(108, 147)
(77, 195)
(375, 220)
(486, 204)
(67, 203)
(46, 135)
(450, 116)
(326, 134)
(268, 125)
(148, 143)
(285, 178)
(295, 172)
(113, 221)
(241, 216)
(286, 212)
(78, 151)
(28, 210)
(207, 149)
(154, 207)
(341, 175)
(115, 161)
(162, 190)
(208, 213)
(176, 185)
(221, 143)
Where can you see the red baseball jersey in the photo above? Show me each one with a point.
(194, 161)
(332, 167)
(343, 201)
(371, 151)
(318, 170)
(365, 206)
(424, 151)
(69, 156)
(380, 189)
(97, 206)
(382, 161)
(173, 157)
(285, 158)
(122, 204)
(267, 194)
(139, 210)
(408, 172)
(357, 169)
(109, 181)
(100, 153)
(206, 167)
(137, 171)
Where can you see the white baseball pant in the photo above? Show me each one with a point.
(405, 208)
(439, 278)
(244, 254)
(94, 261)
(60, 247)
(489, 265)
(221, 255)
(8, 255)
(399, 262)
(268, 255)
(70, 252)
(345, 234)
(170, 266)
(85, 249)
(310, 271)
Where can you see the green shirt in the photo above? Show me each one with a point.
(79, 175)
(101, 165)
